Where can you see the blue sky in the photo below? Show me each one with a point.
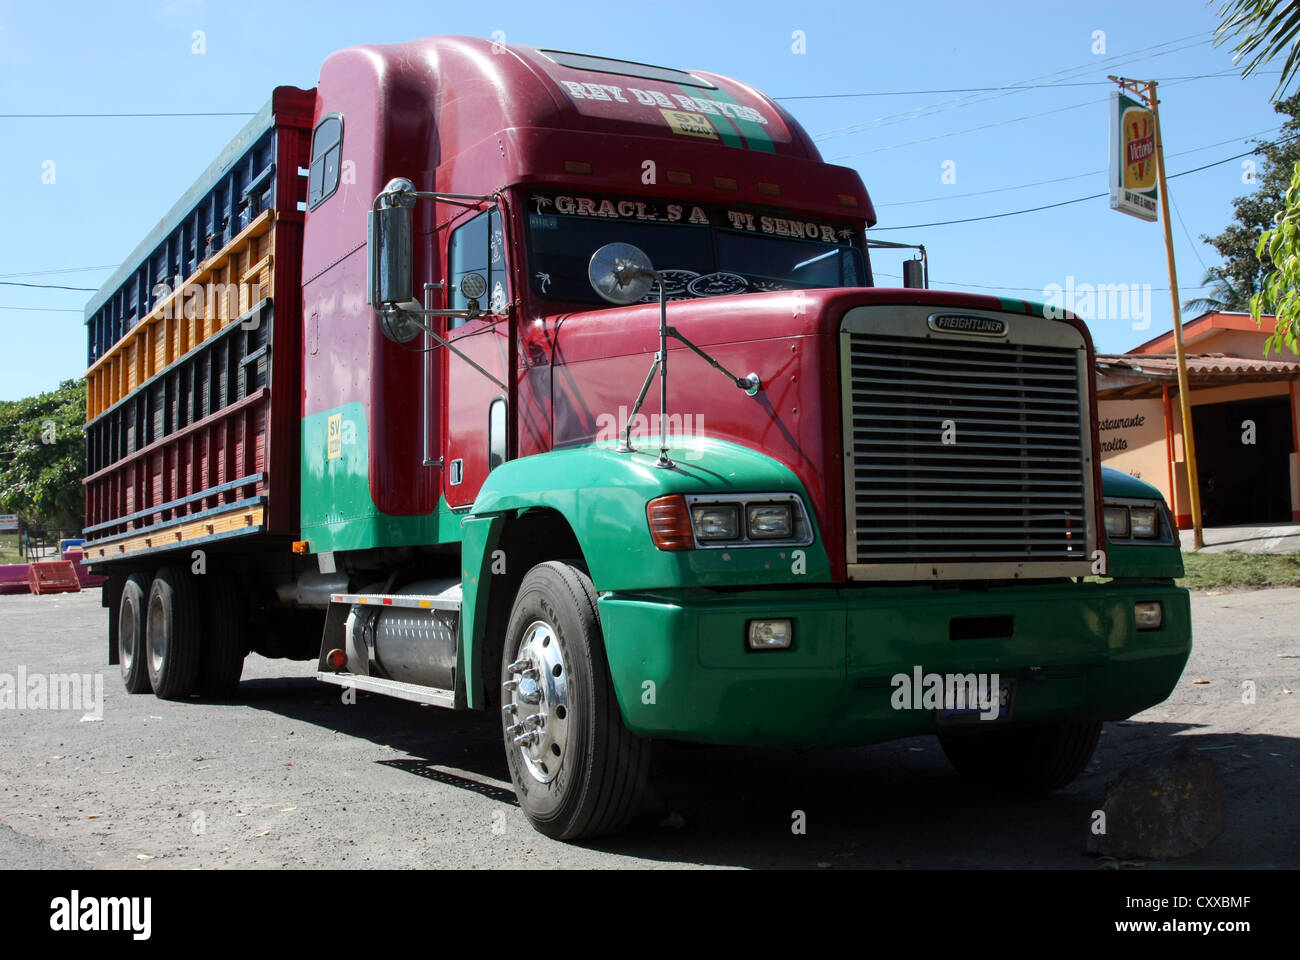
(925, 157)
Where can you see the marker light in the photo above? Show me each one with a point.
(337, 659)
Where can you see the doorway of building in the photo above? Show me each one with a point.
(1244, 482)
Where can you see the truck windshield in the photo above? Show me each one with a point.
(699, 250)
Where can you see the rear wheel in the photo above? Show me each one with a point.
(221, 661)
(577, 770)
(1032, 759)
(173, 633)
(132, 649)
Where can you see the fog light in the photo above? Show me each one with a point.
(1144, 522)
(1149, 614)
(770, 634)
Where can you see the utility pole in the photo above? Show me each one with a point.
(1145, 90)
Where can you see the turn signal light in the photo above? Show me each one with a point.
(670, 523)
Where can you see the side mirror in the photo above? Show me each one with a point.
(389, 233)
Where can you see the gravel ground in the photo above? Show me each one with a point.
(289, 776)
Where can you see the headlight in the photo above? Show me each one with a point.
(699, 522)
(770, 521)
(1145, 522)
(718, 521)
(1137, 520)
(1117, 522)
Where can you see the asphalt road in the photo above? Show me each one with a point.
(290, 776)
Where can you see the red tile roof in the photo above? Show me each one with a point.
(1207, 365)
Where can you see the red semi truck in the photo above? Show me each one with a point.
(512, 379)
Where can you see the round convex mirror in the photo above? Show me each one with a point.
(620, 273)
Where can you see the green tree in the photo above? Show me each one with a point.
(1263, 30)
(1242, 273)
(1221, 297)
(42, 457)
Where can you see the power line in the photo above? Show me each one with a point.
(1039, 290)
(1187, 233)
(1027, 86)
(45, 286)
(1074, 176)
(43, 309)
(114, 116)
(49, 273)
(1066, 203)
(958, 133)
(1109, 63)
(983, 126)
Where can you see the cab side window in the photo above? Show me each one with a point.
(326, 161)
(479, 247)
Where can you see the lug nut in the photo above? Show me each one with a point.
(526, 739)
(519, 665)
(510, 686)
(509, 709)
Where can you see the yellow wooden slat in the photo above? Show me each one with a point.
(241, 518)
(166, 334)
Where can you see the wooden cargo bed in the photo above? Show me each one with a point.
(193, 386)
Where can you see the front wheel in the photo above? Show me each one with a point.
(1032, 759)
(577, 770)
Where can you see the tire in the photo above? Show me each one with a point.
(1029, 760)
(132, 648)
(585, 773)
(173, 630)
(221, 657)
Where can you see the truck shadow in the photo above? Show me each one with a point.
(890, 805)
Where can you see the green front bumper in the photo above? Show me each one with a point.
(681, 669)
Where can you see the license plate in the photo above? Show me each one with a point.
(1006, 699)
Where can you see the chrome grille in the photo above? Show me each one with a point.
(1012, 485)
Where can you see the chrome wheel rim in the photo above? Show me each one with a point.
(154, 630)
(536, 702)
(126, 630)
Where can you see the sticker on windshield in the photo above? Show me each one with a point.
(676, 286)
(718, 285)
